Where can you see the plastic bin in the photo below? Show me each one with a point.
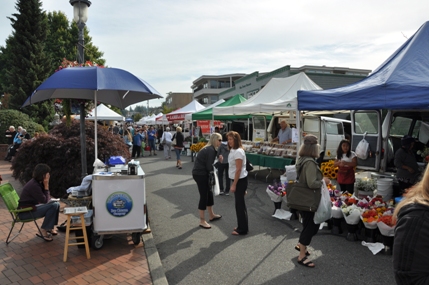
(75, 220)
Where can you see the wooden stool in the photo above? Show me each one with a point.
(69, 228)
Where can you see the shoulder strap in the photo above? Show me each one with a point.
(298, 173)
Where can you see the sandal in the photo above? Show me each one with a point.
(215, 218)
(47, 237)
(53, 232)
(308, 264)
(298, 249)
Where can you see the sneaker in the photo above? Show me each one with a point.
(221, 193)
(227, 194)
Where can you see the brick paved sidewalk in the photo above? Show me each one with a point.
(30, 260)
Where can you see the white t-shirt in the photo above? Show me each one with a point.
(345, 158)
(233, 155)
(168, 137)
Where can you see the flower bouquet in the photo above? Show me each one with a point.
(386, 224)
(365, 186)
(351, 214)
(370, 218)
(424, 154)
(277, 193)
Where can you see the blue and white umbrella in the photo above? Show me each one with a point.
(110, 86)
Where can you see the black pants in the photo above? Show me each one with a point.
(309, 228)
(206, 193)
(347, 187)
(240, 207)
(136, 150)
(223, 168)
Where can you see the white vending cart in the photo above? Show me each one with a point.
(119, 203)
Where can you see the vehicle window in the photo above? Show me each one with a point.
(416, 129)
(366, 122)
(258, 122)
(334, 128)
(401, 126)
(311, 125)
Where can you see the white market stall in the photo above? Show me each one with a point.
(279, 95)
(103, 114)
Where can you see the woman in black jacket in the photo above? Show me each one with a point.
(410, 249)
(202, 167)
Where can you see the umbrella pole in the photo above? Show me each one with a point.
(95, 127)
(83, 140)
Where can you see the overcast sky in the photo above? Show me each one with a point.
(170, 43)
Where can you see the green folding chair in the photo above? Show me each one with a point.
(11, 198)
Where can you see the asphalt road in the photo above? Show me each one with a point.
(192, 255)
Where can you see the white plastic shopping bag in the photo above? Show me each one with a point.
(362, 149)
(323, 212)
(216, 189)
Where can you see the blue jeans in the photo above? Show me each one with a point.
(178, 152)
(50, 211)
(152, 145)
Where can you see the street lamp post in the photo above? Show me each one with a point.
(80, 16)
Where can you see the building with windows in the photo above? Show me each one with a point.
(206, 89)
(176, 100)
(250, 84)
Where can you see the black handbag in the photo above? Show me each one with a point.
(302, 198)
(249, 166)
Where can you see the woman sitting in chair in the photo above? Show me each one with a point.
(35, 194)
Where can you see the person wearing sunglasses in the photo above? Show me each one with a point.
(203, 165)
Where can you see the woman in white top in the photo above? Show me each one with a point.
(346, 162)
(238, 174)
(167, 136)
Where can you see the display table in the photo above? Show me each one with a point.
(270, 162)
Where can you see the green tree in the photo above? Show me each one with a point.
(137, 117)
(26, 63)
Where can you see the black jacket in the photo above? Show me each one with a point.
(411, 245)
(204, 162)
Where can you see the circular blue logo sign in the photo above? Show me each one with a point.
(119, 204)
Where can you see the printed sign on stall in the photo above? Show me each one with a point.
(205, 125)
(119, 204)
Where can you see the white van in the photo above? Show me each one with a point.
(384, 136)
(330, 131)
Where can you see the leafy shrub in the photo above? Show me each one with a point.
(60, 149)
(16, 118)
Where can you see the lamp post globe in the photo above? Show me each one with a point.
(80, 16)
(80, 10)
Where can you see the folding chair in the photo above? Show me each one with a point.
(11, 198)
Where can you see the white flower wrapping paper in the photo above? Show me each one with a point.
(371, 226)
(354, 215)
(337, 213)
(385, 229)
(273, 196)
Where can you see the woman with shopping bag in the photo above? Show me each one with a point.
(309, 176)
(203, 165)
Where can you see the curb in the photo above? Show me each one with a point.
(154, 261)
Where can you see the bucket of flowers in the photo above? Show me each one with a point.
(365, 187)
(424, 154)
(386, 225)
(351, 213)
(276, 192)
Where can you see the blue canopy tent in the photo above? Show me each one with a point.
(401, 82)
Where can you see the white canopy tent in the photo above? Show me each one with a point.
(278, 95)
(188, 117)
(179, 115)
(103, 114)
